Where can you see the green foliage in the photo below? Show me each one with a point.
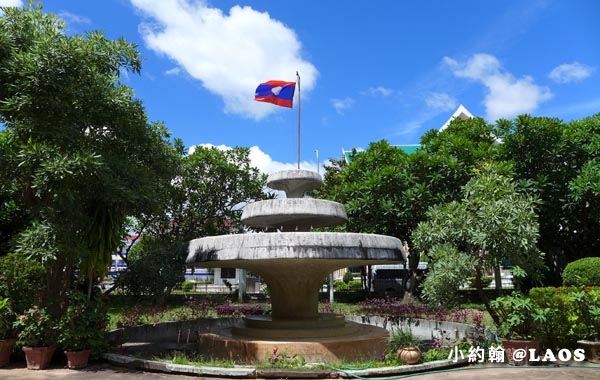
(155, 268)
(342, 286)
(36, 328)
(558, 161)
(555, 317)
(205, 199)
(566, 315)
(371, 187)
(586, 313)
(7, 318)
(284, 360)
(435, 354)
(83, 324)
(518, 316)
(188, 286)
(80, 162)
(446, 275)
(484, 281)
(348, 276)
(22, 281)
(492, 222)
(584, 271)
(402, 337)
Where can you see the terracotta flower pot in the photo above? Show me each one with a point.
(38, 357)
(514, 349)
(6, 347)
(409, 355)
(78, 359)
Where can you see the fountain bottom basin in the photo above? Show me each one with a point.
(350, 342)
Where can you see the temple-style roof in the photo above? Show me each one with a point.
(461, 113)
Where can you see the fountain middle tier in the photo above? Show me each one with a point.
(294, 214)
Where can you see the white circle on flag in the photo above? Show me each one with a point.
(276, 90)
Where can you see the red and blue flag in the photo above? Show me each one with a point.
(276, 92)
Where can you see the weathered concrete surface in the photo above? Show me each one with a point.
(364, 343)
(295, 264)
(294, 214)
(232, 250)
(295, 183)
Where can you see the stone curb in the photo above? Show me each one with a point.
(250, 372)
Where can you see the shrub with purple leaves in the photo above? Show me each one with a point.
(240, 309)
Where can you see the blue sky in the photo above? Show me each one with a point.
(370, 70)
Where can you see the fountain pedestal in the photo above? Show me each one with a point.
(294, 262)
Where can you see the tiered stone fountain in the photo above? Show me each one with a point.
(294, 262)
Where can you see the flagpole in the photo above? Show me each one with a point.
(298, 79)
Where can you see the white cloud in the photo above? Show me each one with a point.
(570, 72)
(380, 90)
(11, 3)
(341, 105)
(506, 96)
(173, 71)
(72, 18)
(440, 101)
(229, 53)
(263, 161)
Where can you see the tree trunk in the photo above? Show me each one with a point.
(58, 281)
(498, 280)
(484, 297)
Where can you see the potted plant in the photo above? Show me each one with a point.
(517, 325)
(81, 329)
(406, 345)
(586, 315)
(37, 333)
(7, 333)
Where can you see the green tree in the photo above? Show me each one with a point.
(493, 221)
(559, 161)
(86, 155)
(386, 191)
(206, 198)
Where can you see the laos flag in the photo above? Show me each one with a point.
(277, 92)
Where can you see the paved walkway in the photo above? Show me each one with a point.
(101, 371)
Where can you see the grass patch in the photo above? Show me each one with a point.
(196, 360)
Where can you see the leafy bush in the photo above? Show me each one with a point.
(36, 328)
(23, 281)
(187, 286)
(348, 276)
(240, 309)
(343, 286)
(7, 318)
(403, 337)
(83, 324)
(517, 315)
(393, 307)
(140, 314)
(584, 271)
(555, 326)
(485, 281)
(155, 268)
(434, 354)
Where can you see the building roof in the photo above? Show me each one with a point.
(461, 113)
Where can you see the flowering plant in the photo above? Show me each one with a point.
(36, 328)
(83, 324)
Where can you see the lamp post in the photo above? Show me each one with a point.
(317, 153)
